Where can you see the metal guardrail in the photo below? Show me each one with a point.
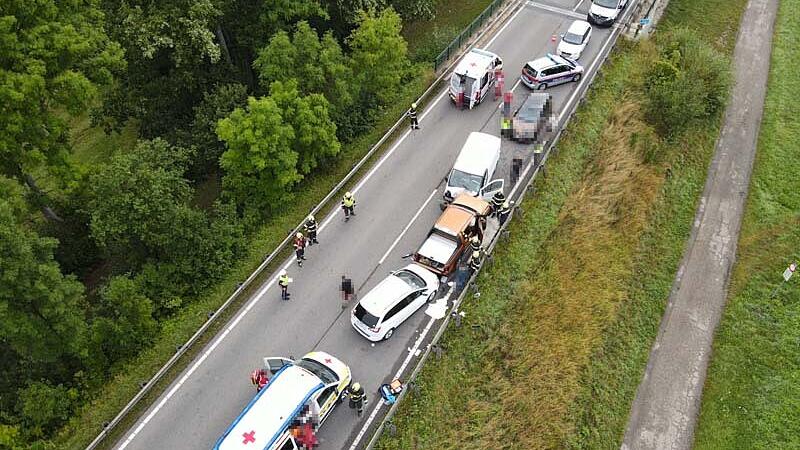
(551, 147)
(148, 386)
(462, 37)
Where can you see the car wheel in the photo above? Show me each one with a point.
(388, 334)
(577, 77)
(542, 86)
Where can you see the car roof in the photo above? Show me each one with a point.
(454, 220)
(476, 204)
(546, 61)
(384, 295)
(475, 63)
(271, 411)
(579, 27)
(477, 153)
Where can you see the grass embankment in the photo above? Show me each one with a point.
(551, 354)
(752, 393)
(91, 144)
(430, 37)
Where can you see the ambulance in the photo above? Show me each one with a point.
(474, 77)
(299, 393)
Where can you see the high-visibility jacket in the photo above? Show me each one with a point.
(348, 202)
(283, 280)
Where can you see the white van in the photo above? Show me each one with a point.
(474, 168)
(474, 76)
(313, 384)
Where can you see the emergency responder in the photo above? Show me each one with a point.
(347, 291)
(283, 282)
(505, 127)
(357, 397)
(475, 261)
(259, 379)
(475, 244)
(497, 201)
(348, 205)
(412, 114)
(505, 210)
(300, 248)
(311, 230)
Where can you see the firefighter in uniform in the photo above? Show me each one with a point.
(497, 201)
(475, 261)
(505, 210)
(475, 244)
(357, 397)
(300, 248)
(348, 205)
(283, 282)
(311, 230)
(412, 114)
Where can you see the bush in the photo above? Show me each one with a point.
(689, 83)
(44, 407)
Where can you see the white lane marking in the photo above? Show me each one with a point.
(556, 10)
(385, 255)
(580, 2)
(286, 266)
(500, 31)
(411, 353)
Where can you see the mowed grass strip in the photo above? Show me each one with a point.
(752, 393)
(551, 354)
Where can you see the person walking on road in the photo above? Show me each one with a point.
(283, 282)
(357, 397)
(311, 230)
(348, 205)
(412, 115)
(300, 248)
(497, 201)
(475, 261)
(347, 291)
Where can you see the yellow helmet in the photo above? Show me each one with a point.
(348, 194)
(298, 235)
(311, 218)
(414, 105)
(356, 386)
(476, 254)
(475, 240)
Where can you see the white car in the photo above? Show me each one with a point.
(605, 12)
(392, 301)
(575, 40)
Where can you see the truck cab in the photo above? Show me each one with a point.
(464, 218)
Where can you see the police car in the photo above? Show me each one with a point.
(298, 394)
(550, 70)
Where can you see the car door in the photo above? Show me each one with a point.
(490, 189)
(326, 400)
(275, 363)
(410, 305)
(561, 74)
(392, 318)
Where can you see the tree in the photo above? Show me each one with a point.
(55, 55)
(134, 199)
(314, 132)
(260, 165)
(379, 54)
(41, 309)
(123, 324)
(276, 61)
(44, 407)
(217, 104)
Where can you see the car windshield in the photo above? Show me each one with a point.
(412, 279)
(606, 3)
(324, 373)
(468, 181)
(365, 317)
(572, 38)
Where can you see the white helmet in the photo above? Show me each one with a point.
(283, 272)
(414, 105)
(356, 386)
(299, 235)
(310, 218)
(476, 254)
(348, 194)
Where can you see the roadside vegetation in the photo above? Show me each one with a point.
(752, 396)
(551, 353)
(131, 201)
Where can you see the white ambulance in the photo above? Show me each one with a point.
(312, 385)
(474, 77)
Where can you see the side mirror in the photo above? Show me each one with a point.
(562, 35)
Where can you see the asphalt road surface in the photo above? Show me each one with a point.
(204, 400)
(667, 402)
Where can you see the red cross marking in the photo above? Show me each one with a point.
(328, 361)
(249, 437)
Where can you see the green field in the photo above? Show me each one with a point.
(551, 354)
(752, 393)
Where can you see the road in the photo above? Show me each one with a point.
(664, 413)
(199, 406)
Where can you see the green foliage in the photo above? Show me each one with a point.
(379, 54)
(315, 133)
(43, 407)
(690, 83)
(9, 437)
(217, 104)
(42, 309)
(260, 165)
(54, 54)
(123, 323)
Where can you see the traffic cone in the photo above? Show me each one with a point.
(553, 38)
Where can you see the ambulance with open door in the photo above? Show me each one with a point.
(311, 386)
(474, 77)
